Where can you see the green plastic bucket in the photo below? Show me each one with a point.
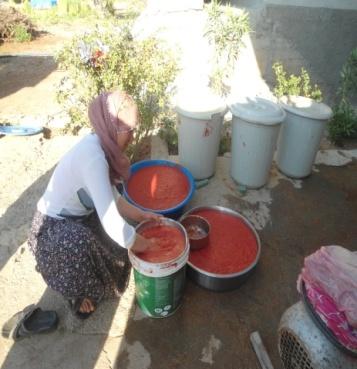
(159, 287)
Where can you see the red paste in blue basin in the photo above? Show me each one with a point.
(158, 187)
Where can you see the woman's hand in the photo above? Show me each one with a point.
(132, 212)
(141, 244)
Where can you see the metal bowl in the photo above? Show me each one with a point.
(197, 229)
(222, 282)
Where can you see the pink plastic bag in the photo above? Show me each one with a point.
(333, 269)
(334, 319)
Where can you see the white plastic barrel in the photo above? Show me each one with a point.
(256, 123)
(300, 135)
(199, 131)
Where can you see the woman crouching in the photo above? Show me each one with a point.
(79, 235)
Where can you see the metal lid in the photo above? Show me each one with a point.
(257, 110)
(306, 107)
(199, 104)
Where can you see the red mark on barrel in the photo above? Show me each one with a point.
(207, 130)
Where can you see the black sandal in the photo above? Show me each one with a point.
(32, 320)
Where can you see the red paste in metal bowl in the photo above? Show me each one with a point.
(158, 187)
(232, 244)
(169, 244)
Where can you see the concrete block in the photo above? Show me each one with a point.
(159, 148)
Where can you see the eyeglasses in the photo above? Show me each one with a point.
(125, 130)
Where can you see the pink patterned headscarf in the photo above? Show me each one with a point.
(103, 114)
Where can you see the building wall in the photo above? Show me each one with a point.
(310, 36)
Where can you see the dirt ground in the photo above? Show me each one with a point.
(44, 44)
(29, 75)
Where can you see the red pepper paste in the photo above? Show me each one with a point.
(169, 244)
(158, 187)
(232, 245)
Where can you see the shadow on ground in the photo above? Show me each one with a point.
(14, 73)
(65, 349)
(19, 216)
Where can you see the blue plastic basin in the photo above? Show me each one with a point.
(173, 212)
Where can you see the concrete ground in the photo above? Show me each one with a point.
(210, 330)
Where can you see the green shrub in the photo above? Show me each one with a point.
(225, 30)
(344, 121)
(168, 132)
(105, 59)
(20, 33)
(294, 85)
(15, 26)
(225, 142)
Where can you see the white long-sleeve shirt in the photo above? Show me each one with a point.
(80, 184)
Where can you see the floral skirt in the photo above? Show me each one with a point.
(77, 258)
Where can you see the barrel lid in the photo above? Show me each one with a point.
(199, 103)
(258, 110)
(306, 107)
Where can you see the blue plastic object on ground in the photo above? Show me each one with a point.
(20, 130)
(43, 4)
(173, 212)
